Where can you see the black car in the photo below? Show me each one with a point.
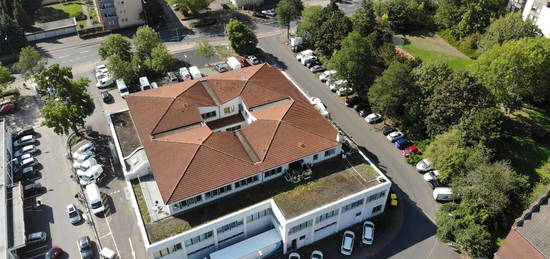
(297, 48)
(32, 189)
(350, 102)
(312, 62)
(23, 132)
(106, 97)
(363, 113)
(172, 76)
(259, 15)
(387, 130)
(359, 106)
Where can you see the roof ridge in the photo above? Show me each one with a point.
(225, 153)
(162, 117)
(210, 92)
(247, 147)
(184, 171)
(272, 138)
(298, 127)
(248, 79)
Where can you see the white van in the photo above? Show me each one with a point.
(122, 88)
(233, 63)
(144, 83)
(195, 72)
(185, 75)
(91, 175)
(443, 194)
(304, 54)
(94, 198)
(154, 85)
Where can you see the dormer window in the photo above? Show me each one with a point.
(228, 109)
(208, 115)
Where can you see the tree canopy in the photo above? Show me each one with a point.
(311, 18)
(364, 20)
(192, 7)
(205, 49)
(243, 39)
(161, 61)
(508, 27)
(145, 40)
(288, 11)
(5, 76)
(409, 15)
(482, 125)
(115, 44)
(121, 69)
(54, 78)
(30, 62)
(334, 27)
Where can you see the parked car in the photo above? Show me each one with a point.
(220, 67)
(195, 72)
(36, 237)
(294, 255)
(386, 130)
(316, 254)
(350, 102)
(25, 173)
(344, 91)
(359, 106)
(29, 149)
(368, 233)
(86, 147)
(184, 74)
(85, 247)
(253, 60)
(402, 143)
(74, 214)
(304, 54)
(172, 76)
(54, 252)
(317, 68)
(259, 15)
(106, 97)
(409, 150)
(7, 107)
(86, 164)
(395, 136)
(104, 82)
(23, 132)
(25, 140)
(363, 113)
(424, 165)
(373, 118)
(443, 194)
(270, 12)
(101, 69)
(347, 242)
(297, 48)
(176, 6)
(431, 175)
(333, 86)
(310, 61)
(32, 189)
(326, 75)
(28, 162)
(80, 158)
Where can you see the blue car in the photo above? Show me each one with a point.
(402, 143)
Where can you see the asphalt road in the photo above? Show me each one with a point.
(416, 238)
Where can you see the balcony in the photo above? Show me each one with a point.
(110, 11)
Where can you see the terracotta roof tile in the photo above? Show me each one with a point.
(228, 144)
(260, 134)
(515, 246)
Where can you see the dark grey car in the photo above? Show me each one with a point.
(85, 247)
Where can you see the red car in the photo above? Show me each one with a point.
(410, 150)
(7, 107)
(54, 252)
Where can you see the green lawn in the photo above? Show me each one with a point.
(433, 48)
(55, 12)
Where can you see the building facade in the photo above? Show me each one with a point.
(538, 11)
(115, 14)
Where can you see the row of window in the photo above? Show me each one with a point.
(327, 226)
(326, 216)
(198, 239)
(377, 209)
(274, 171)
(231, 237)
(376, 196)
(259, 215)
(297, 228)
(208, 115)
(219, 191)
(330, 152)
(352, 205)
(229, 226)
(188, 202)
(167, 251)
(246, 181)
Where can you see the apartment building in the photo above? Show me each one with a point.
(115, 14)
(538, 11)
(223, 160)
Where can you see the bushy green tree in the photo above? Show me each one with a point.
(288, 11)
(5, 77)
(364, 20)
(20, 15)
(192, 7)
(115, 44)
(161, 61)
(475, 239)
(243, 39)
(145, 40)
(429, 76)
(121, 69)
(334, 27)
(516, 72)
(53, 79)
(311, 18)
(30, 62)
(409, 15)
(482, 125)
(508, 27)
(205, 49)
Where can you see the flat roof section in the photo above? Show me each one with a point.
(332, 180)
(125, 132)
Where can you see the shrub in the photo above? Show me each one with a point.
(414, 159)
(80, 16)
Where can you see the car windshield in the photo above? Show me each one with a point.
(96, 205)
(84, 246)
(73, 214)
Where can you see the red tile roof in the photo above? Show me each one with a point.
(188, 158)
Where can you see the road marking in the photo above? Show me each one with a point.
(64, 56)
(113, 237)
(101, 237)
(132, 248)
(84, 51)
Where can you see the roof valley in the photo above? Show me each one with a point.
(211, 92)
(247, 147)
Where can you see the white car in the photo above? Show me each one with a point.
(347, 242)
(326, 75)
(74, 215)
(373, 118)
(86, 164)
(294, 255)
(25, 140)
(316, 254)
(101, 68)
(104, 82)
(80, 158)
(343, 91)
(431, 175)
(25, 156)
(424, 165)
(91, 175)
(29, 149)
(333, 86)
(184, 74)
(28, 162)
(368, 233)
(82, 149)
(395, 136)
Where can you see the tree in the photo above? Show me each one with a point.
(20, 16)
(429, 76)
(161, 61)
(409, 15)
(145, 40)
(456, 96)
(352, 62)
(243, 39)
(482, 125)
(115, 44)
(288, 11)
(30, 62)
(364, 20)
(205, 49)
(475, 239)
(192, 7)
(13, 37)
(334, 27)
(516, 72)
(309, 24)
(508, 27)
(121, 69)
(53, 79)
(5, 77)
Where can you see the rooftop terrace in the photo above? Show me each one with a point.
(126, 132)
(331, 180)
